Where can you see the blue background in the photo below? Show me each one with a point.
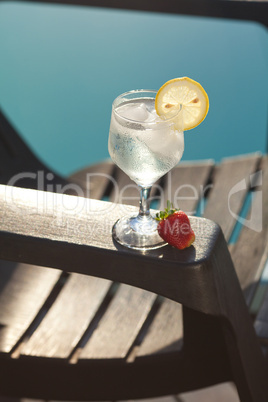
(62, 66)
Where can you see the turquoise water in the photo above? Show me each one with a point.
(62, 66)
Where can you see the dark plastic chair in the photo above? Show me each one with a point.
(177, 322)
(77, 333)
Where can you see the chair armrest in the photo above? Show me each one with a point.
(69, 233)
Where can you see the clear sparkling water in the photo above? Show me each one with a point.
(140, 143)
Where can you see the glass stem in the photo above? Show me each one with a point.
(144, 211)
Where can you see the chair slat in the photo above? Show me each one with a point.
(68, 318)
(166, 332)
(228, 174)
(120, 325)
(185, 184)
(250, 252)
(25, 289)
(94, 180)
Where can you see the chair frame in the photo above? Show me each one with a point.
(202, 279)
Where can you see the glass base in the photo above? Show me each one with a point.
(139, 233)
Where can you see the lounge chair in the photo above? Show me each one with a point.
(183, 326)
(75, 337)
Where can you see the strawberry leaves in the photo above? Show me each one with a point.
(167, 212)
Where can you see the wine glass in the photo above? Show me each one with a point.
(145, 147)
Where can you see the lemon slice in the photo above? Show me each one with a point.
(186, 92)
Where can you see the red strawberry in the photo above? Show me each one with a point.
(174, 227)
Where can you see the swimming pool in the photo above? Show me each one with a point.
(62, 66)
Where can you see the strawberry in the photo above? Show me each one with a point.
(174, 227)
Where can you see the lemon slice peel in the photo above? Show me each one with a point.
(186, 92)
